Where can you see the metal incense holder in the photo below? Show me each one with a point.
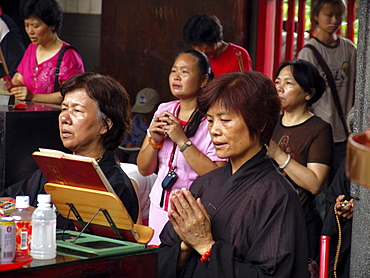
(358, 158)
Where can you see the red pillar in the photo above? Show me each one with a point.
(265, 37)
(351, 17)
(290, 31)
(278, 34)
(301, 25)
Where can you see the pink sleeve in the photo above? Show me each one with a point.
(71, 65)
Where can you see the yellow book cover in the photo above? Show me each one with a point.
(73, 170)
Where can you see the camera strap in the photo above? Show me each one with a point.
(166, 193)
(172, 156)
(171, 168)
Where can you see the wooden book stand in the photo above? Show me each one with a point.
(104, 211)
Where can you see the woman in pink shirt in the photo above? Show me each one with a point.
(178, 144)
(34, 80)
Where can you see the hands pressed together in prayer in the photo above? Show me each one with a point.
(345, 210)
(164, 125)
(190, 221)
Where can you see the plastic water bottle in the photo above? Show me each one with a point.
(43, 243)
(22, 218)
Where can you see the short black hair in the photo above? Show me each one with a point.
(49, 11)
(202, 28)
(307, 76)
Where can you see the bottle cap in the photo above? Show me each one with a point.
(22, 202)
(44, 198)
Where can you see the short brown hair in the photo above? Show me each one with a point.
(250, 94)
(112, 100)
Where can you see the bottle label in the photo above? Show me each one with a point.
(23, 235)
(7, 240)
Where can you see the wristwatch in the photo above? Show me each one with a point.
(186, 144)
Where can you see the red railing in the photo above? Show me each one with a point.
(286, 39)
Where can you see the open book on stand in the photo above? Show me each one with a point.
(79, 181)
(73, 170)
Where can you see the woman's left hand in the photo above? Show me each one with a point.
(276, 153)
(173, 128)
(19, 92)
(190, 220)
(345, 211)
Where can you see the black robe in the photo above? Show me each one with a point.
(120, 182)
(257, 222)
(341, 185)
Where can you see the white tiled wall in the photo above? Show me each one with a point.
(81, 6)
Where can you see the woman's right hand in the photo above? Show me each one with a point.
(156, 130)
(191, 221)
(276, 153)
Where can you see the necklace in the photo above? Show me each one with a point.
(99, 159)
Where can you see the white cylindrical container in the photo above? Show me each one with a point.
(43, 242)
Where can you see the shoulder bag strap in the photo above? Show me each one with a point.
(331, 82)
(57, 68)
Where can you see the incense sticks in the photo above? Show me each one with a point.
(240, 60)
